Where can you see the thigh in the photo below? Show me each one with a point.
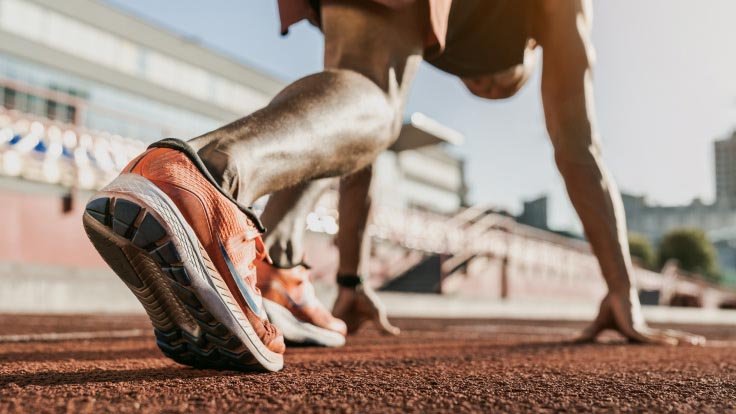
(382, 43)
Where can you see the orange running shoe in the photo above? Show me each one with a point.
(290, 302)
(186, 250)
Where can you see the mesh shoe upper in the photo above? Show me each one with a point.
(230, 238)
(293, 289)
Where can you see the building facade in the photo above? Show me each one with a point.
(717, 219)
(725, 164)
(653, 221)
(419, 172)
(86, 63)
(534, 213)
(84, 87)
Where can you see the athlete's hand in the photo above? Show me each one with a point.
(622, 313)
(359, 305)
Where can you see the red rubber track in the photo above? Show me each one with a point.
(434, 366)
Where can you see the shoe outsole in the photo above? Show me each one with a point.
(139, 245)
(298, 332)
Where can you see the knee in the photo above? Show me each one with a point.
(378, 112)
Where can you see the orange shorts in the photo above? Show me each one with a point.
(292, 11)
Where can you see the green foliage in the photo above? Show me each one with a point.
(692, 249)
(642, 250)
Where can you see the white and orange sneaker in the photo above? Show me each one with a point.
(187, 250)
(291, 305)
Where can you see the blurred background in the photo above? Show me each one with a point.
(469, 207)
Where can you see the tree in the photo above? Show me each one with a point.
(693, 251)
(641, 249)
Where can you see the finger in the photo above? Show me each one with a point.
(685, 338)
(650, 337)
(385, 326)
(602, 321)
(581, 338)
(589, 334)
(630, 323)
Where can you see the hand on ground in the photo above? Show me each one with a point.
(622, 313)
(360, 305)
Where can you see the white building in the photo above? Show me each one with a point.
(89, 64)
(103, 72)
(83, 88)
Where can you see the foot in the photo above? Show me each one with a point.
(359, 305)
(290, 302)
(186, 250)
(622, 313)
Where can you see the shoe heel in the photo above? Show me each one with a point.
(138, 249)
(136, 233)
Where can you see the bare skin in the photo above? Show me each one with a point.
(329, 124)
(359, 305)
(563, 30)
(567, 96)
(285, 217)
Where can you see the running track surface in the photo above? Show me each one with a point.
(59, 364)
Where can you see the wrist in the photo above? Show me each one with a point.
(621, 289)
(349, 281)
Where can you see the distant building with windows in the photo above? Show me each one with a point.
(84, 87)
(717, 219)
(534, 213)
(86, 63)
(128, 78)
(653, 220)
(725, 162)
(419, 172)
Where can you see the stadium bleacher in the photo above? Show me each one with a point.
(42, 150)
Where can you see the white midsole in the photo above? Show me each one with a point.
(298, 331)
(185, 240)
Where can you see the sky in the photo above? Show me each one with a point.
(665, 88)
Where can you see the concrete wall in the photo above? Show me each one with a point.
(35, 230)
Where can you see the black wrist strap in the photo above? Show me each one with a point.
(349, 281)
(290, 266)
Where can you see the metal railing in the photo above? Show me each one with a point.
(519, 260)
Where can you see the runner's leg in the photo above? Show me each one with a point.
(330, 123)
(285, 217)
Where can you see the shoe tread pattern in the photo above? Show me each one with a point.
(137, 247)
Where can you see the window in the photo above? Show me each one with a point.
(8, 100)
(35, 104)
(88, 42)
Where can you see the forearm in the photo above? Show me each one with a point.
(354, 208)
(598, 203)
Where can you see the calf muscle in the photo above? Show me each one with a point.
(331, 123)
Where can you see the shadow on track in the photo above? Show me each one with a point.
(91, 355)
(54, 378)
